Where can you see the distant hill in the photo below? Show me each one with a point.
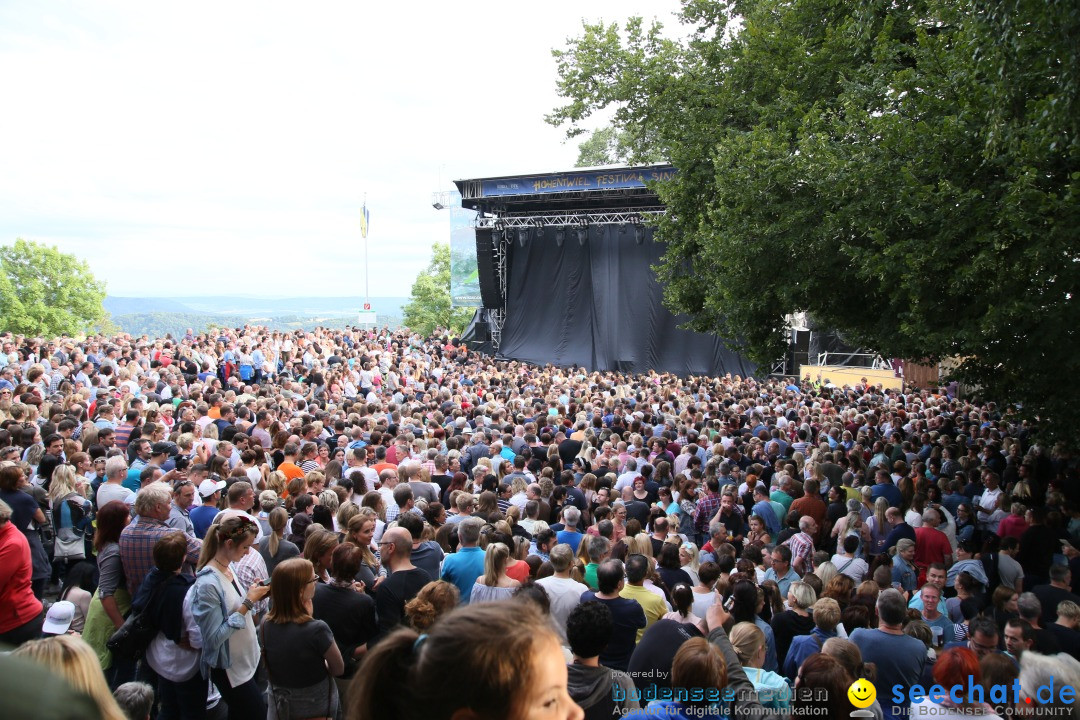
(127, 305)
(254, 306)
(158, 316)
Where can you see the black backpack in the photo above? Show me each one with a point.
(990, 567)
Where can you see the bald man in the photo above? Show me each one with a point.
(403, 583)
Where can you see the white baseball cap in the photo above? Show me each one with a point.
(208, 487)
(59, 617)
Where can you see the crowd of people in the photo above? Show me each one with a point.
(358, 524)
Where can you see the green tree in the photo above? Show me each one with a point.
(602, 147)
(429, 307)
(45, 292)
(906, 172)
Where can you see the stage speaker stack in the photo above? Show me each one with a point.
(485, 264)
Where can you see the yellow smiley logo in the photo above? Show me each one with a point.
(862, 693)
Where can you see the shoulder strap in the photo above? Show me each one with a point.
(266, 656)
(819, 641)
(850, 560)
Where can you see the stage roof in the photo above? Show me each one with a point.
(605, 188)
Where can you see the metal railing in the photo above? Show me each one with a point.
(876, 361)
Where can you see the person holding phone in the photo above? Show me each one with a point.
(223, 612)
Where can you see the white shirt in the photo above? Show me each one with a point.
(243, 644)
(989, 500)
(564, 595)
(854, 568)
(169, 660)
(108, 492)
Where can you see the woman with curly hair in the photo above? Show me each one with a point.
(433, 601)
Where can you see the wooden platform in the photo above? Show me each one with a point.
(839, 375)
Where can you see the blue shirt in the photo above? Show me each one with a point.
(890, 492)
(917, 604)
(462, 568)
(900, 660)
(803, 647)
(764, 510)
(132, 482)
(784, 583)
(570, 537)
(202, 518)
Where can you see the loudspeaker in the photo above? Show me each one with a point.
(800, 349)
(490, 295)
(482, 330)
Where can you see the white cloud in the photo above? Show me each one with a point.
(181, 149)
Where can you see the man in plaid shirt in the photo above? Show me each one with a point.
(802, 545)
(707, 507)
(152, 506)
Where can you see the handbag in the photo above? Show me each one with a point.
(69, 543)
(69, 546)
(133, 637)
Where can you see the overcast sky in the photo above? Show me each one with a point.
(226, 148)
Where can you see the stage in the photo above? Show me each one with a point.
(565, 267)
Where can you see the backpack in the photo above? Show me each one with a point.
(990, 567)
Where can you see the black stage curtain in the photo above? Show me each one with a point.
(598, 305)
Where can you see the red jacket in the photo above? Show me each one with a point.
(18, 605)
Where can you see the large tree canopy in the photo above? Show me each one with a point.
(429, 308)
(46, 292)
(908, 172)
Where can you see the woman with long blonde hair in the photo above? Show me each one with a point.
(274, 548)
(71, 515)
(878, 526)
(361, 532)
(494, 584)
(749, 643)
(71, 658)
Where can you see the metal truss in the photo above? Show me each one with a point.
(528, 220)
(498, 315)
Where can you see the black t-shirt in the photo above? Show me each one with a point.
(350, 616)
(650, 664)
(576, 498)
(443, 481)
(1068, 640)
(1049, 597)
(786, 626)
(1037, 547)
(628, 618)
(637, 510)
(835, 511)
(672, 577)
(568, 450)
(393, 593)
(295, 652)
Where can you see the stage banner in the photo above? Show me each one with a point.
(574, 182)
(464, 275)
